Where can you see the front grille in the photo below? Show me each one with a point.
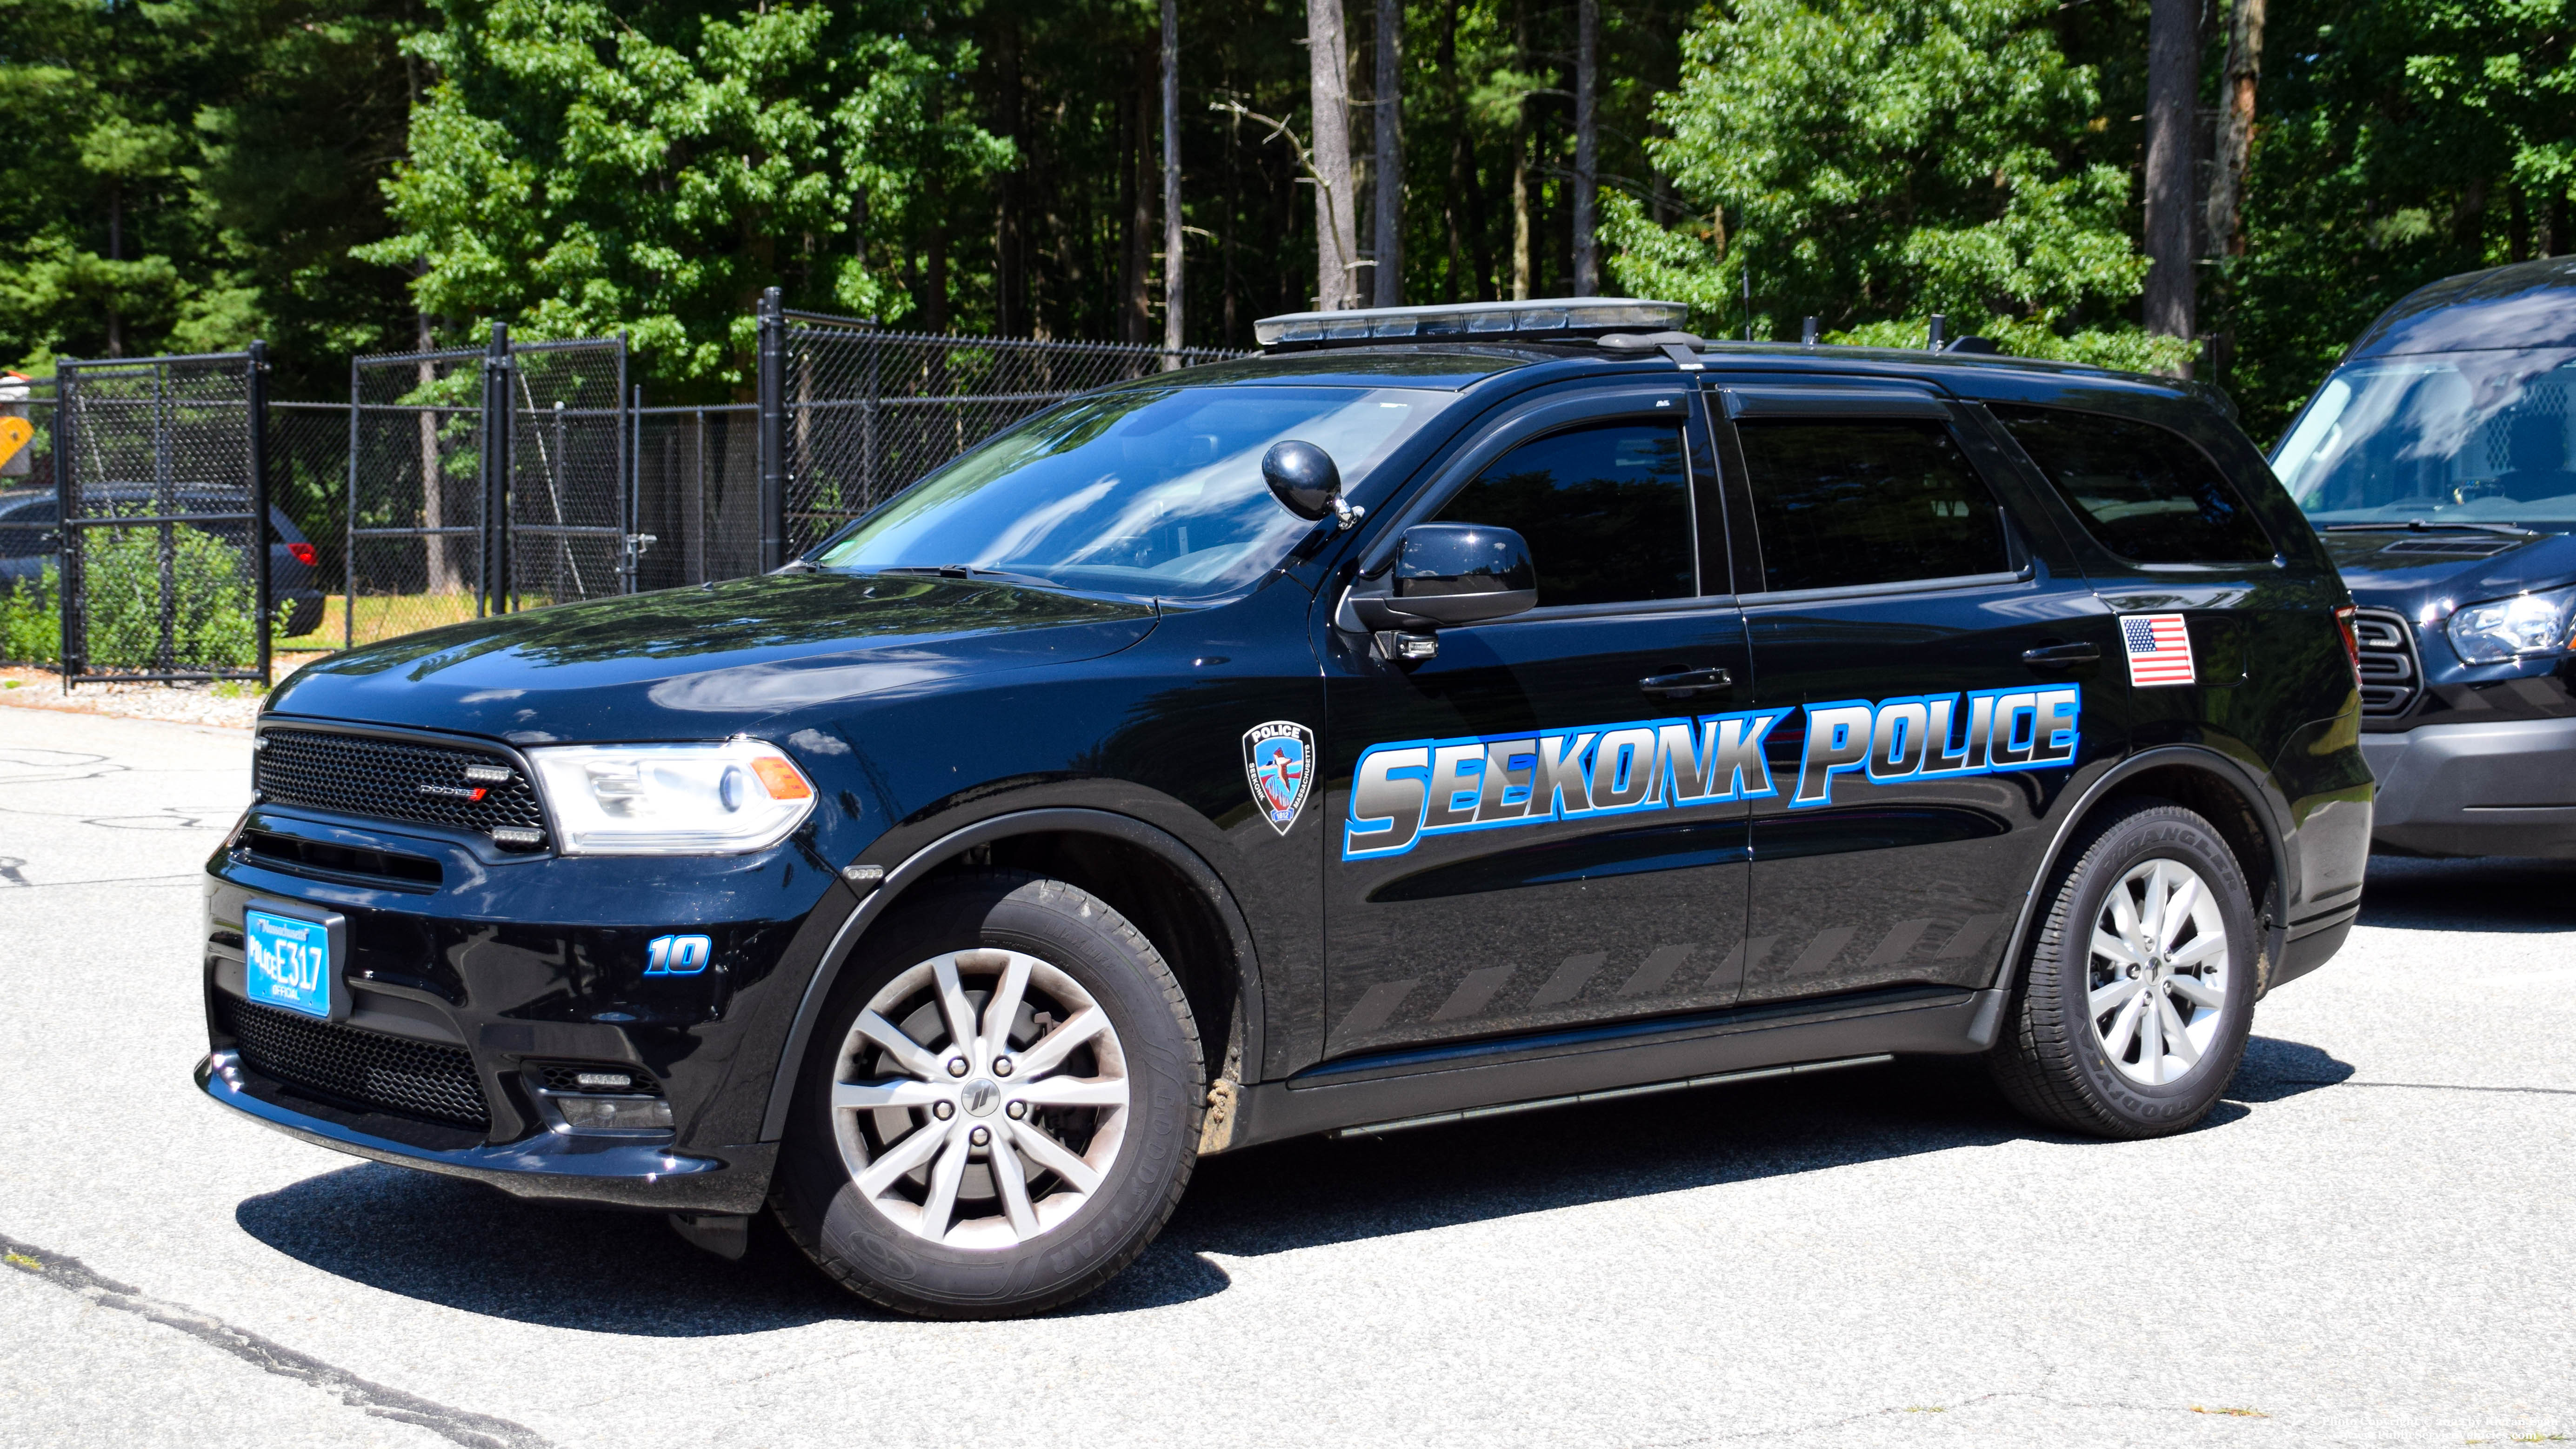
(396, 1074)
(339, 862)
(393, 780)
(2390, 678)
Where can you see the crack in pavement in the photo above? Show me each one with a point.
(461, 1426)
(2433, 1087)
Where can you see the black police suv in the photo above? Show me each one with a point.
(2439, 461)
(1455, 710)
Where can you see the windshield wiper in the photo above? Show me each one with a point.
(966, 571)
(2417, 525)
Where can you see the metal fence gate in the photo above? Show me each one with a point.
(850, 415)
(484, 480)
(162, 490)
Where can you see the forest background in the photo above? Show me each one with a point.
(350, 176)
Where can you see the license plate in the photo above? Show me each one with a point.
(290, 963)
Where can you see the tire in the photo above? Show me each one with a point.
(2071, 1065)
(905, 1207)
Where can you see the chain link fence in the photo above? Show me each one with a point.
(697, 494)
(857, 414)
(571, 499)
(412, 530)
(165, 534)
(460, 483)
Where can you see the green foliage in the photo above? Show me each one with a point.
(191, 174)
(2400, 141)
(212, 622)
(1883, 161)
(580, 169)
(31, 619)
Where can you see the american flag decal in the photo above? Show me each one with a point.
(2159, 649)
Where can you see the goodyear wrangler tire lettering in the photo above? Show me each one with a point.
(1408, 789)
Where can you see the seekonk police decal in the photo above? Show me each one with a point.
(1278, 760)
(1404, 791)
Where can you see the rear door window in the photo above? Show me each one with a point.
(1855, 501)
(1606, 512)
(2145, 493)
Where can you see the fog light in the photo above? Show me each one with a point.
(614, 1114)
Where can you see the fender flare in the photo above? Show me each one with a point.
(2275, 837)
(845, 941)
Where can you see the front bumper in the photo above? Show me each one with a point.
(2501, 788)
(603, 1172)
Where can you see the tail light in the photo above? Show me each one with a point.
(303, 553)
(2351, 641)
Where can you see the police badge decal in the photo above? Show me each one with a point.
(1279, 761)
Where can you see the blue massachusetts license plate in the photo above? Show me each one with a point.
(290, 962)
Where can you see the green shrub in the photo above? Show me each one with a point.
(31, 620)
(211, 623)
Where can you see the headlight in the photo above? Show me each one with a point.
(2517, 628)
(738, 796)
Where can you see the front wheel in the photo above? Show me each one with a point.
(2140, 991)
(1001, 1106)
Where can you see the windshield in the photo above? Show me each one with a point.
(1144, 491)
(2459, 437)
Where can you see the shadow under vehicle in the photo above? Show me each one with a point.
(1453, 712)
(2439, 462)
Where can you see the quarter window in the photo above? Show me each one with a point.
(1867, 501)
(1605, 511)
(2144, 492)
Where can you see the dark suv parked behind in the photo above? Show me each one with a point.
(1457, 710)
(30, 539)
(2439, 459)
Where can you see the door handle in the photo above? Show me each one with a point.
(1687, 684)
(2061, 656)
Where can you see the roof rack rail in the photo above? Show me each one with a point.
(1534, 320)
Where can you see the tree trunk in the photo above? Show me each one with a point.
(1136, 303)
(1336, 235)
(1587, 148)
(2173, 83)
(1010, 243)
(115, 253)
(2235, 128)
(1520, 160)
(1172, 295)
(1390, 153)
(443, 577)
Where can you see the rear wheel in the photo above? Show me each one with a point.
(2140, 990)
(1001, 1106)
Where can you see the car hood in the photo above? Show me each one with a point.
(2405, 570)
(707, 662)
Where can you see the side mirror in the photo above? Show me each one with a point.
(1302, 477)
(1455, 573)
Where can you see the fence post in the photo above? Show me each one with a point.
(67, 589)
(497, 431)
(349, 524)
(263, 587)
(773, 430)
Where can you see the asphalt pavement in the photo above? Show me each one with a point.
(2368, 1243)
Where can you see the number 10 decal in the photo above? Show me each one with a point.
(677, 955)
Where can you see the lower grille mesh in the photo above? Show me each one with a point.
(414, 1078)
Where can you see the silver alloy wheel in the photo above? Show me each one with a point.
(981, 1099)
(2160, 973)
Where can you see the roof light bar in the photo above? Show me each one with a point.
(1482, 321)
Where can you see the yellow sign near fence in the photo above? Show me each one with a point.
(14, 436)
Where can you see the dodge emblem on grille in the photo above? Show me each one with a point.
(456, 792)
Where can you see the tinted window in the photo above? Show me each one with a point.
(1606, 512)
(26, 528)
(2145, 492)
(1867, 502)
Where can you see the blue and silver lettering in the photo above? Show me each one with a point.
(1837, 741)
(1403, 792)
(1387, 792)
